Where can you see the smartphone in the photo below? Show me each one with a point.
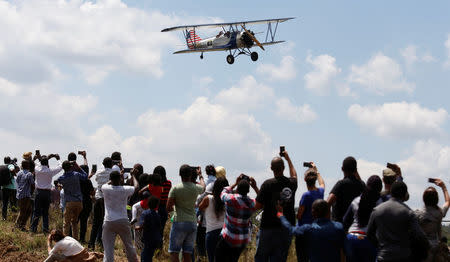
(307, 164)
(94, 168)
(80, 152)
(38, 152)
(127, 170)
(431, 180)
(245, 177)
(282, 149)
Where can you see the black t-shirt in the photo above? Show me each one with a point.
(345, 191)
(273, 190)
(86, 189)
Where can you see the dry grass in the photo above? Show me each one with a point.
(16, 245)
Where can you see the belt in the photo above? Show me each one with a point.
(44, 189)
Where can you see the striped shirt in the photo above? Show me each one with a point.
(165, 192)
(238, 211)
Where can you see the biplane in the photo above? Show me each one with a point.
(234, 38)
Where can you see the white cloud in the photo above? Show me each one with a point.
(447, 46)
(380, 75)
(409, 53)
(7, 88)
(207, 131)
(284, 71)
(399, 120)
(324, 71)
(300, 114)
(428, 58)
(202, 81)
(246, 95)
(96, 37)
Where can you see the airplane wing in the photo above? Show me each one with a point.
(201, 50)
(253, 22)
(204, 50)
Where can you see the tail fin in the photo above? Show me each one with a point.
(191, 39)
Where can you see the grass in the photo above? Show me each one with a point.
(16, 245)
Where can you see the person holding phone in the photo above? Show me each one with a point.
(391, 174)
(430, 216)
(304, 214)
(274, 239)
(43, 182)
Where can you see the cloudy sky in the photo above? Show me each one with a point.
(363, 79)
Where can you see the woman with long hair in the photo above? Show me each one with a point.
(67, 249)
(359, 248)
(214, 209)
(430, 218)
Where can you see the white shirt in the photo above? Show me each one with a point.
(212, 221)
(44, 175)
(101, 178)
(67, 247)
(116, 198)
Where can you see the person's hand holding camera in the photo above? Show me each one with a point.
(439, 183)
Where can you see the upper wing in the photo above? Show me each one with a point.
(254, 22)
(204, 50)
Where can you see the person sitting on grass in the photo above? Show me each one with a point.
(67, 249)
(150, 224)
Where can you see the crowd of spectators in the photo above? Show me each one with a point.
(212, 217)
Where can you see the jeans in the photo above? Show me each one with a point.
(71, 213)
(122, 228)
(212, 238)
(301, 249)
(200, 240)
(41, 206)
(147, 252)
(163, 216)
(97, 225)
(25, 210)
(84, 216)
(226, 253)
(273, 244)
(182, 236)
(360, 250)
(8, 196)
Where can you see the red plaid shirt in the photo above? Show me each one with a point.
(238, 211)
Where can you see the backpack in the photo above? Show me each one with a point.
(5, 175)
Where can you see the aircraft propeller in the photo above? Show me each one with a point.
(253, 38)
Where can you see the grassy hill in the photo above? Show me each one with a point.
(16, 245)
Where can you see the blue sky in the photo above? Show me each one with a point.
(354, 78)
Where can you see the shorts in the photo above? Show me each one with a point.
(182, 237)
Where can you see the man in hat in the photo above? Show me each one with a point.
(390, 175)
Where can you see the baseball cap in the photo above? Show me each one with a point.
(388, 172)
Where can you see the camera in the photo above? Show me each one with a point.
(307, 164)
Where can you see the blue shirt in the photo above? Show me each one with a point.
(24, 181)
(71, 184)
(151, 226)
(325, 238)
(307, 199)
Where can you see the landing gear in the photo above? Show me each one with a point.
(254, 56)
(230, 59)
(201, 56)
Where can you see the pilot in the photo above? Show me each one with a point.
(227, 34)
(220, 33)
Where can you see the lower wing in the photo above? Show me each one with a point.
(204, 50)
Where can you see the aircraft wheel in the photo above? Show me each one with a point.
(230, 59)
(254, 56)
